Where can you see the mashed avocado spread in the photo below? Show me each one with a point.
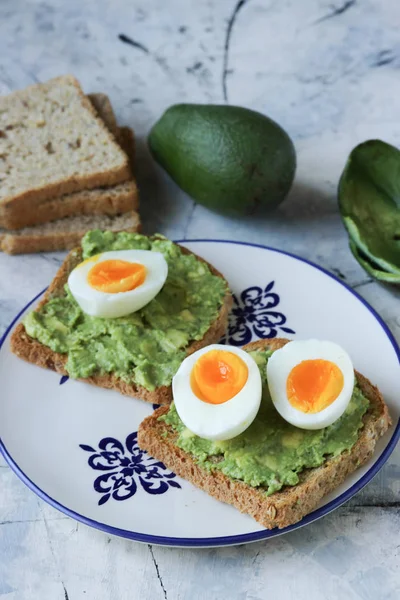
(271, 452)
(147, 346)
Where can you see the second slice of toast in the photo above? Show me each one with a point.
(290, 504)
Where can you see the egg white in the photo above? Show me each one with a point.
(285, 359)
(217, 421)
(102, 304)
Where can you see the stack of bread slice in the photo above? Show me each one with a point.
(65, 168)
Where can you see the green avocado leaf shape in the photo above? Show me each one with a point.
(228, 158)
(369, 201)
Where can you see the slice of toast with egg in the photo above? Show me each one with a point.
(30, 349)
(293, 501)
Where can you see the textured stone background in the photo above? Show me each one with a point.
(328, 72)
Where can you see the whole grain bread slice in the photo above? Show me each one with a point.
(34, 352)
(290, 504)
(52, 142)
(64, 234)
(109, 200)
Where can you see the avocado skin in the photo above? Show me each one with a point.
(230, 159)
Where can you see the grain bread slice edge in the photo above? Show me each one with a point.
(66, 233)
(291, 504)
(33, 351)
(110, 201)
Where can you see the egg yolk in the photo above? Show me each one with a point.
(114, 276)
(313, 385)
(218, 376)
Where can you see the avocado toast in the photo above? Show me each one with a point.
(292, 492)
(135, 355)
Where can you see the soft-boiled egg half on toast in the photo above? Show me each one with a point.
(311, 382)
(217, 390)
(117, 283)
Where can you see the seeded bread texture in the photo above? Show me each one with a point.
(34, 352)
(64, 234)
(291, 504)
(109, 200)
(52, 142)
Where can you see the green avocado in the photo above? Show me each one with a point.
(145, 347)
(231, 159)
(369, 201)
(271, 453)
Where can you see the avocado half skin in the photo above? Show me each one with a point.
(230, 159)
(369, 204)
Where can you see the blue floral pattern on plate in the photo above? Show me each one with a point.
(254, 313)
(125, 467)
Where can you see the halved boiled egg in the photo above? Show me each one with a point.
(117, 283)
(311, 382)
(217, 391)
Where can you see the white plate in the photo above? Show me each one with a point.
(75, 445)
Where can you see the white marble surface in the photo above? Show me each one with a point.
(327, 70)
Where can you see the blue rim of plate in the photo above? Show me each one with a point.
(231, 539)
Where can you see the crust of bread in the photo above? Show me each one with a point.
(126, 139)
(50, 237)
(34, 352)
(26, 200)
(291, 504)
(108, 201)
